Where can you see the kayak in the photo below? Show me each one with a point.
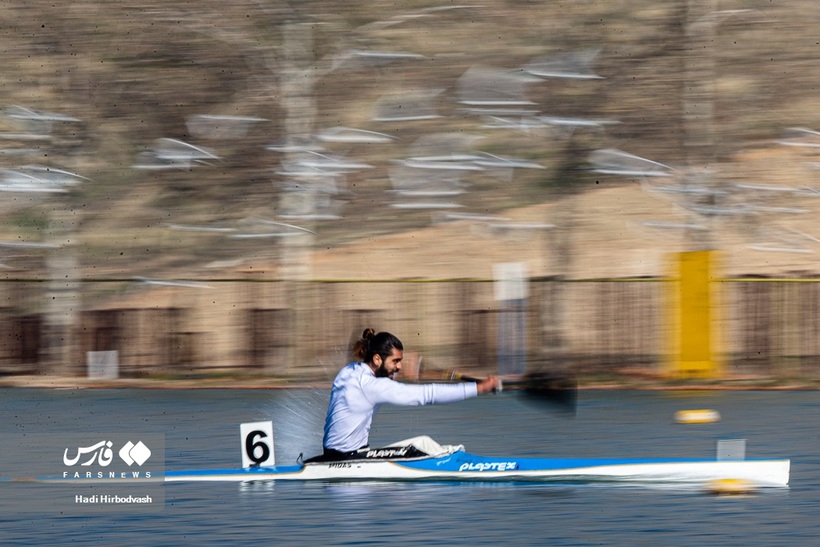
(422, 458)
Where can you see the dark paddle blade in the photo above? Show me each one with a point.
(557, 392)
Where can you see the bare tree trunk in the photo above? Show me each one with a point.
(702, 21)
(699, 76)
(63, 298)
(554, 296)
(298, 102)
(560, 249)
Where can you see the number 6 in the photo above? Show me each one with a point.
(257, 444)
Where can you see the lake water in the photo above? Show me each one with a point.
(201, 430)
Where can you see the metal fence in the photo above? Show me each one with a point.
(766, 327)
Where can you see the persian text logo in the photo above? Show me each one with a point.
(102, 454)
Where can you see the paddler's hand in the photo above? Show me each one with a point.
(490, 384)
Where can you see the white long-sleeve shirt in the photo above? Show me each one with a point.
(357, 393)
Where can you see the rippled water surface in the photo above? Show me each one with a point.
(201, 430)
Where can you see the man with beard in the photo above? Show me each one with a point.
(360, 387)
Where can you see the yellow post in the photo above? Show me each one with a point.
(693, 296)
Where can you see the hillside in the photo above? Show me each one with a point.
(130, 73)
(614, 237)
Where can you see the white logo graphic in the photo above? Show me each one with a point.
(100, 451)
(102, 454)
(135, 453)
(488, 466)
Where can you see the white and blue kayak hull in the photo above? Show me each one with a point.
(463, 466)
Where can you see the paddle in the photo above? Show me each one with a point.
(557, 392)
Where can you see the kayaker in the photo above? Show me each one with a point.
(361, 386)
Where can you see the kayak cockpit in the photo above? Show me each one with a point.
(421, 447)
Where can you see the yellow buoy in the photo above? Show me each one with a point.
(701, 416)
(723, 487)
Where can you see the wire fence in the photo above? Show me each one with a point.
(766, 327)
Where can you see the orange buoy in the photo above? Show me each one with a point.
(728, 487)
(700, 416)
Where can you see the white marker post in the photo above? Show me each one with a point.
(511, 290)
(257, 444)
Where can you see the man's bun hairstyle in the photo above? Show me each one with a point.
(372, 344)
